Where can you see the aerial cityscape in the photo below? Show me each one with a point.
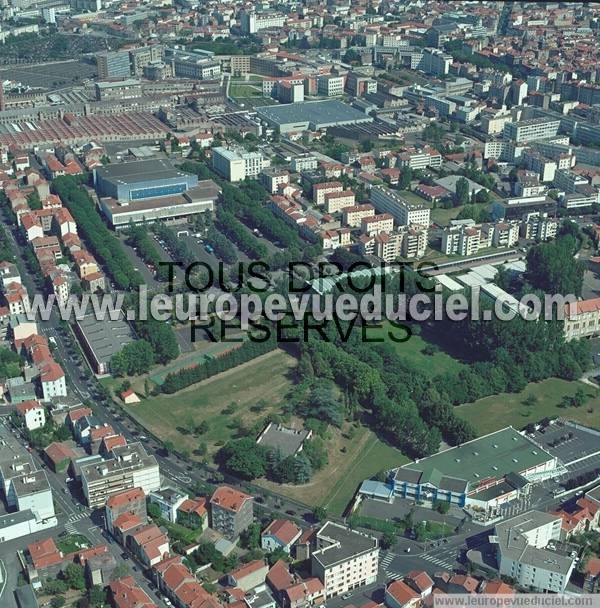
(299, 303)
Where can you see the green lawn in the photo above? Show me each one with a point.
(374, 458)
(241, 89)
(412, 351)
(442, 216)
(436, 529)
(498, 411)
(72, 543)
(169, 417)
(413, 197)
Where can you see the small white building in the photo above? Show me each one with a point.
(33, 414)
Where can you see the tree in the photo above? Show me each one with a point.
(462, 192)
(97, 596)
(244, 458)
(406, 176)
(74, 576)
(319, 513)
(387, 540)
(153, 510)
(57, 601)
(134, 359)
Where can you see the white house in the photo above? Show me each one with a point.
(32, 413)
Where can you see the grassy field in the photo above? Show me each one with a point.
(353, 457)
(442, 216)
(242, 89)
(497, 411)
(266, 379)
(412, 351)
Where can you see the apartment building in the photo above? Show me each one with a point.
(306, 162)
(113, 65)
(502, 234)
(128, 502)
(344, 559)
(530, 130)
(330, 85)
(408, 242)
(375, 224)
(525, 554)
(583, 319)
(272, 178)
(252, 22)
(461, 240)
(568, 181)
(235, 164)
(336, 201)
(539, 228)
(403, 212)
(320, 190)
(130, 467)
(420, 159)
(231, 511)
(353, 215)
(190, 64)
(168, 501)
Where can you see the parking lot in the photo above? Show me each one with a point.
(568, 443)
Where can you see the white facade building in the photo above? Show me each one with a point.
(236, 164)
(403, 212)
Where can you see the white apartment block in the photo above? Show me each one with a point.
(461, 240)
(542, 228)
(375, 224)
(352, 216)
(271, 178)
(403, 212)
(330, 85)
(344, 559)
(53, 382)
(235, 164)
(567, 181)
(304, 163)
(420, 159)
(525, 554)
(408, 242)
(252, 22)
(130, 467)
(320, 190)
(502, 234)
(336, 201)
(530, 130)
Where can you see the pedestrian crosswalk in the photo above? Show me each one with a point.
(385, 562)
(75, 517)
(438, 561)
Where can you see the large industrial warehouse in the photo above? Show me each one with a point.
(150, 190)
(312, 115)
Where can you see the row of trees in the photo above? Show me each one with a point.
(249, 350)
(181, 251)
(101, 242)
(246, 242)
(139, 238)
(222, 246)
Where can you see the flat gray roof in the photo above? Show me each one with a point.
(324, 113)
(339, 544)
(106, 337)
(140, 171)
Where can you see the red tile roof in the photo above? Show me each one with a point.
(127, 594)
(44, 553)
(402, 593)
(283, 529)
(228, 498)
